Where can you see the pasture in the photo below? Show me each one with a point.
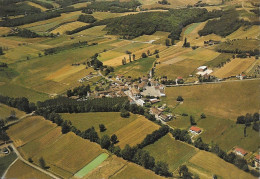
(240, 45)
(136, 68)
(235, 67)
(112, 121)
(132, 170)
(225, 100)
(135, 132)
(175, 153)
(6, 161)
(207, 164)
(23, 171)
(6, 110)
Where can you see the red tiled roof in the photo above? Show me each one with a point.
(240, 150)
(257, 157)
(196, 129)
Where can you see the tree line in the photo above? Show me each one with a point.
(86, 18)
(23, 33)
(248, 119)
(79, 91)
(112, 6)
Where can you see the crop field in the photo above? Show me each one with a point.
(6, 161)
(92, 165)
(132, 170)
(137, 68)
(112, 121)
(208, 164)
(36, 5)
(79, 5)
(235, 67)
(4, 30)
(244, 32)
(23, 171)
(64, 154)
(171, 151)
(242, 44)
(135, 132)
(219, 59)
(226, 100)
(5, 111)
(43, 26)
(29, 129)
(68, 27)
(93, 31)
(109, 167)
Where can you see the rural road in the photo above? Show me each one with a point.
(28, 163)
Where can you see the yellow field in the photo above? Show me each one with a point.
(207, 164)
(23, 171)
(226, 100)
(235, 67)
(5, 111)
(68, 27)
(65, 154)
(4, 30)
(36, 5)
(29, 129)
(135, 132)
(78, 5)
(131, 171)
(118, 60)
(94, 31)
(243, 33)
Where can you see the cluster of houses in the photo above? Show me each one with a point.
(203, 71)
(160, 115)
(88, 77)
(211, 42)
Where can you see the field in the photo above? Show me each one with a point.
(175, 153)
(112, 121)
(6, 161)
(156, 38)
(64, 154)
(36, 5)
(242, 44)
(29, 129)
(132, 170)
(5, 111)
(135, 132)
(92, 165)
(226, 100)
(23, 171)
(68, 27)
(244, 32)
(235, 67)
(137, 68)
(206, 164)
(222, 58)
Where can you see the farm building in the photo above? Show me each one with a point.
(203, 70)
(135, 93)
(155, 100)
(240, 151)
(165, 118)
(156, 112)
(195, 130)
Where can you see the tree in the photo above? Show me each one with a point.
(192, 120)
(128, 153)
(102, 127)
(1, 51)
(167, 42)
(105, 142)
(182, 170)
(157, 56)
(179, 98)
(124, 113)
(202, 116)
(130, 57)
(42, 163)
(133, 57)
(161, 168)
(65, 127)
(245, 131)
(144, 55)
(30, 160)
(114, 139)
(186, 44)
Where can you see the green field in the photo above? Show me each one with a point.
(112, 121)
(171, 151)
(6, 110)
(6, 161)
(137, 68)
(225, 100)
(191, 28)
(222, 58)
(92, 165)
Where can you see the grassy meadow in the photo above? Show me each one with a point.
(171, 151)
(6, 161)
(6, 110)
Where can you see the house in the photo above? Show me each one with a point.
(156, 112)
(257, 161)
(135, 93)
(119, 77)
(144, 79)
(141, 86)
(154, 100)
(165, 118)
(202, 68)
(240, 151)
(195, 130)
